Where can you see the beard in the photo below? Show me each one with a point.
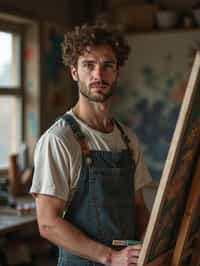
(100, 96)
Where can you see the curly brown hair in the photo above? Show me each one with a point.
(76, 42)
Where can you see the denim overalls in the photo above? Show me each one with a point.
(103, 204)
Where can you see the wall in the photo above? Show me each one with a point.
(58, 94)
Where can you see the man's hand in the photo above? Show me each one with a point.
(125, 257)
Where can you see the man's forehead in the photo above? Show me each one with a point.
(103, 52)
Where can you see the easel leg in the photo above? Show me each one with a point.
(191, 206)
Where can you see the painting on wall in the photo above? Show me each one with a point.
(151, 88)
(177, 180)
(57, 82)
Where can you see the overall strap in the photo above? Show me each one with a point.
(77, 133)
(124, 137)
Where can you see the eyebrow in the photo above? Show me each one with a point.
(110, 61)
(87, 61)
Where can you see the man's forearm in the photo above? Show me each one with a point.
(64, 234)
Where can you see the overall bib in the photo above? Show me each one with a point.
(103, 204)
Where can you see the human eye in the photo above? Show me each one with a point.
(88, 66)
(109, 66)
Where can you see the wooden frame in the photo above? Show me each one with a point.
(170, 203)
(19, 90)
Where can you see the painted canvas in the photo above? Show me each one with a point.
(171, 198)
(186, 251)
(151, 89)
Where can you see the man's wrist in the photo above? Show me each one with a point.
(108, 257)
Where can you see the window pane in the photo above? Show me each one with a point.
(9, 59)
(10, 128)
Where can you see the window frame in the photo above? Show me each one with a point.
(17, 91)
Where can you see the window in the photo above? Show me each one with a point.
(11, 93)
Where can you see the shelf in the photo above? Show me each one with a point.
(159, 31)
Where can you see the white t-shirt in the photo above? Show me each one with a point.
(58, 158)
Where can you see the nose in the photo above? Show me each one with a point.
(98, 72)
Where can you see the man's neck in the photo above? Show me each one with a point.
(96, 116)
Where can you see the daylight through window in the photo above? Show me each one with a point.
(11, 94)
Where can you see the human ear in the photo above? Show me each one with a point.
(74, 73)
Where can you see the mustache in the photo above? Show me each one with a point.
(99, 83)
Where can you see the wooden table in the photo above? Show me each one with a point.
(11, 220)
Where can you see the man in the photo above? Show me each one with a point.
(89, 168)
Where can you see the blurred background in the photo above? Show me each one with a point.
(35, 89)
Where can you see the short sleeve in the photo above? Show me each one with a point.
(51, 168)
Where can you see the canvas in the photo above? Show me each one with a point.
(151, 87)
(170, 202)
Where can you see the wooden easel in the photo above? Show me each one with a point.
(182, 245)
(158, 245)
